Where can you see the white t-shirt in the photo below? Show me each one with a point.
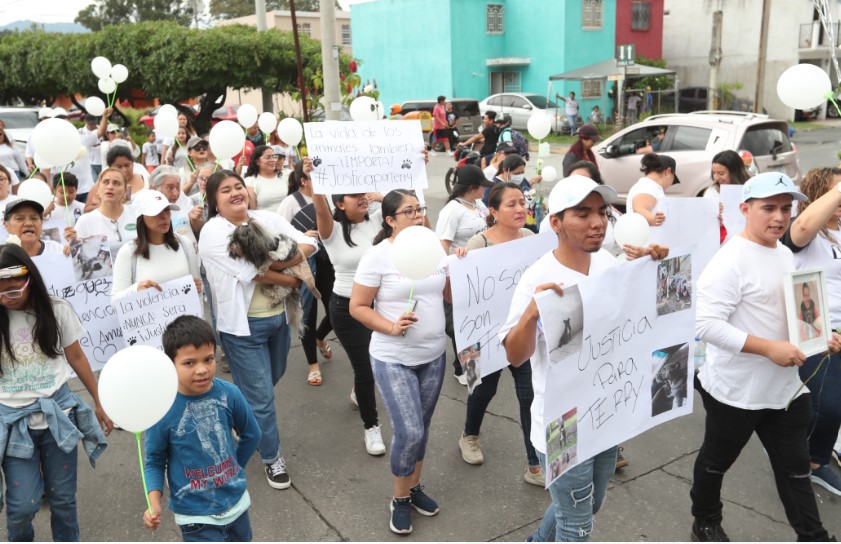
(164, 264)
(458, 224)
(571, 106)
(11, 198)
(270, 191)
(425, 340)
(646, 186)
(346, 259)
(94, 154)
(94, 223)
(81, 168)
(152, 153)
(181, 219)
(490, 172)
(34, 375)
(289, 206)
(822, 253)
(547, 269)
(740, 292)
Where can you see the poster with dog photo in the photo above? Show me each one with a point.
(91, 258)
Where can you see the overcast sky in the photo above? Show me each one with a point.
(55, 11)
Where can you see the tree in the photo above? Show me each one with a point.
(103, 13)
(231, 9)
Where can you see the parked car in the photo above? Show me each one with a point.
(695, 99)
(692, 140)
(520, 106)
(469, 122)
(19, 124)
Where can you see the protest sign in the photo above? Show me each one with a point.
(144, 315)
(731, 215)
(483, 283)
(366, 156)
(91, 300)
(690, 222)
(620, 357)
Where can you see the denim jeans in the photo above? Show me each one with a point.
(826, 406)
(783, 434)
(483, 393)
(576, 497)
(410, 394)
(49, 469)
(572, 120)
(257, 363)
(238, 530)
(355, 338)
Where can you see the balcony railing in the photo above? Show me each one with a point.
(812, 35)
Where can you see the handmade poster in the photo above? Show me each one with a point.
(734, 221)
(620, 359)
(91, 258)
(690, 221)
(483, 283)
(366, 156)
(144, 315)
(91, 299)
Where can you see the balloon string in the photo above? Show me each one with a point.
(216, 166)
(192, 166)
(63, 190)
(831, 98)
(142, 472)
(411, 292)
(114, 96)
(35, 171)
(539, 161)
(298, 152)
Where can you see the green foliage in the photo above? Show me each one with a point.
(103, 13)
(726, 93)
(658, 83)
(230, 9)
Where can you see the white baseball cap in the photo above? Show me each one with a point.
(59, 112)
(571, 191)
(45, 113)
(150, 203)
(770, 184)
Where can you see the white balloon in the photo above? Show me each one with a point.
(363, 108)
(37, 190)
(380, 110)
(167, 124)
(247, 115)
(632, 229)
(41, 163)
(119, 73)
(137, 387)
(101, 67)
(226, 139)
(107, 85)
(417, 252)
(545, 149)
(95, 106)
(168, 108)
(539, 125)
(548, 173)
(56, 140)
(803, 86)
(267, 122)
(290, 131)
(83, 152)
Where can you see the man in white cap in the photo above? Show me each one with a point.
(750, 379)
(578, 209)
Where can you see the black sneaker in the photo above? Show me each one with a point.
(401, 516)
(704, 531)
(276, 474)
(422, 502)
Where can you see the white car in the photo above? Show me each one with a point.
(19, 124)
(520, 106)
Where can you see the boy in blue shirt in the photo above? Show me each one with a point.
(194, 445)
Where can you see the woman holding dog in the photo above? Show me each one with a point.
(255, 334)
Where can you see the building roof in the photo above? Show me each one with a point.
(608, 68)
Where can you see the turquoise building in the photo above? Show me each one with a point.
(419, 49)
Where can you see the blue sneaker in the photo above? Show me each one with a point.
(401, 516)
(825, 477)
(422, 502)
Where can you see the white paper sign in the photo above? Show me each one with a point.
(483, 284)
(145, 315)
(366, 156)
(620, 345)
(731, 215)
(690, 222)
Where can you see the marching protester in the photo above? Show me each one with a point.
(24, 219)
(43, 419)
(582, 149)
(197, 152)
(265, 187)
(255, 334)
(185, 126)
(111, 218)
(506, 223)
(177, 154)
(65, 203)
(750, 382)
(407, 352)
(119, 157)
(647, 195)
(727, 168)
(814, 238)
(578, 209)
(6, 195)
(189, 218)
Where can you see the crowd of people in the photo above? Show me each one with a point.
(178, 217)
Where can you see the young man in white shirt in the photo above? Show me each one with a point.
(578, 208)
(751, 376)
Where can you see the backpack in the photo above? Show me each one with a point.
(519, 141)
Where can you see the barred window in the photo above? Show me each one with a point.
(345, 34)
(494, 15)
(304, 28)
(591, 88)
(640, 15)
(593, 11)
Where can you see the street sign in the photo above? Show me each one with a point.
(625, 54)
(615, 77)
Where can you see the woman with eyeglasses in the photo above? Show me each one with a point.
(266, 187)
(39, 335)
(111, 218)
(11, 158)
(24, 220)
(407, 351)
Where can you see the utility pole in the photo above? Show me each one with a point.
(301, 83)
(330, 61)
(760, 63)
(715, 59)
(260, 10)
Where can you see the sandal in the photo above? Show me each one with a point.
(325, 349)
(314, 378)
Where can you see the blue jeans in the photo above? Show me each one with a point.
(826, 405)
(572, 120)
(576, 497)
(238, 530)
(257, 363)
(49, 469)
(410, 394)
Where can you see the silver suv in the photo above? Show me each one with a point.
(19, 124)
(693, 139)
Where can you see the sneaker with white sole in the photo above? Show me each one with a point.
(471, 451)
(825, 477)
(374, 441)
(276, 474)
(423, 503)
(837, 456)
(461, 378)
(401, 516)
(535, 478)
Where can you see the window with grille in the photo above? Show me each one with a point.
(511, 82)
(494, 16)
(591, 88)
(304, 28)
(593, 10)
(640, 15)
(345, 34)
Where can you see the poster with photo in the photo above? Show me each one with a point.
(807, 310)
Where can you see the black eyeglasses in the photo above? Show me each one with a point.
(199, 147)
(411, 213)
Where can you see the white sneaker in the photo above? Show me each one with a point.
(461, 378)
(353, 397)
(374, 441)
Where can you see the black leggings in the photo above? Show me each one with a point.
(324, 277)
